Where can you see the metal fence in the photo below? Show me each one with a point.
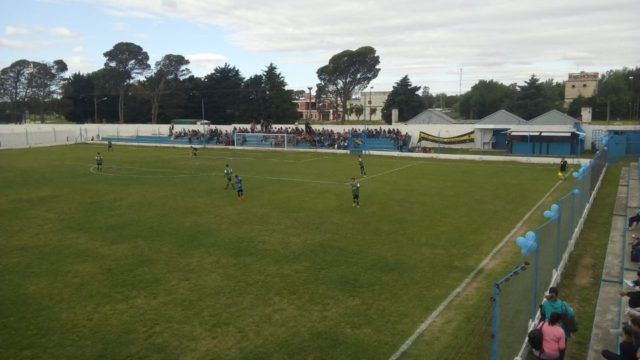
(517, 296)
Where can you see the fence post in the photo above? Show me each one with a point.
(534, 293)
(495, 313)
(558, 237)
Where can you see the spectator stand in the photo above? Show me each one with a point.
(610, 307)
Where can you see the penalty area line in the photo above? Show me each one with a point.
(425, 324)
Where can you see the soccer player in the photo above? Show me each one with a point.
(99, 162)
(355, 192)
(563, 169)
(238, 186)
(194, 151)
(109, 145)
(228, 174)
(361, 163)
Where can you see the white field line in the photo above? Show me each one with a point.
(389, 171)
(425, 324)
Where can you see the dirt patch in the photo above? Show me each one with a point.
(584, 274)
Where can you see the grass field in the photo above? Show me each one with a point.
(153, 258)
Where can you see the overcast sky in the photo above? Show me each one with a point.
(429, 40)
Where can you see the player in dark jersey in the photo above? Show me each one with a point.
(363, 172)
(99, 162)
(355, 192)
(562, 173)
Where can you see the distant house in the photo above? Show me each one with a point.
(372, 103)
(552, 133)
(491, 131)
(583, 84)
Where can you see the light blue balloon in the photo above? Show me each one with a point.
(548, 214)
(575, 174)
(530, 235)
(555, 207)
(576, 191)
(521, 241)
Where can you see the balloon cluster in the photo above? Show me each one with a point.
(527, 243)
(583, 170)
(553, 212)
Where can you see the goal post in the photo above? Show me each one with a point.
(262, 140)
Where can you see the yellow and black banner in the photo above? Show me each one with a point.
(458, 139)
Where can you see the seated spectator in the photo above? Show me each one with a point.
(553, 338)
(633, 220)
(626, 347)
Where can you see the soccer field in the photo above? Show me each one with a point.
(154, 258)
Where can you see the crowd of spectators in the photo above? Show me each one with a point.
(317, 138)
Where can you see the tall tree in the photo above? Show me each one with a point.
(253, 98)
(170, 67)
(77, 98)
(129, 60)
(16, 84)
(530, 101)
(404, 97)
(46, 80)
(428, 99)
(485, 98)
(347, 72)
(222, 94)
(278, 102)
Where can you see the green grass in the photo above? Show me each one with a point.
(153, 258)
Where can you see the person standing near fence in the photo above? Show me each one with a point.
(562, 172)
(552, 304)
(109, 145)
(553, 338)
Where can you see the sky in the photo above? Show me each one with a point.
(447, 45)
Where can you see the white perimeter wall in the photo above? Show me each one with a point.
(17, 136)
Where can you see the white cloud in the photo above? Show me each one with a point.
(62, 32)
(16, 30)
(501, 39)
(78, 49)
(119, 26)
(130, 13)
(78, 64)
(22, 44)
(206, 61)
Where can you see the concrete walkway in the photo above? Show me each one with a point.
(609, 315)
